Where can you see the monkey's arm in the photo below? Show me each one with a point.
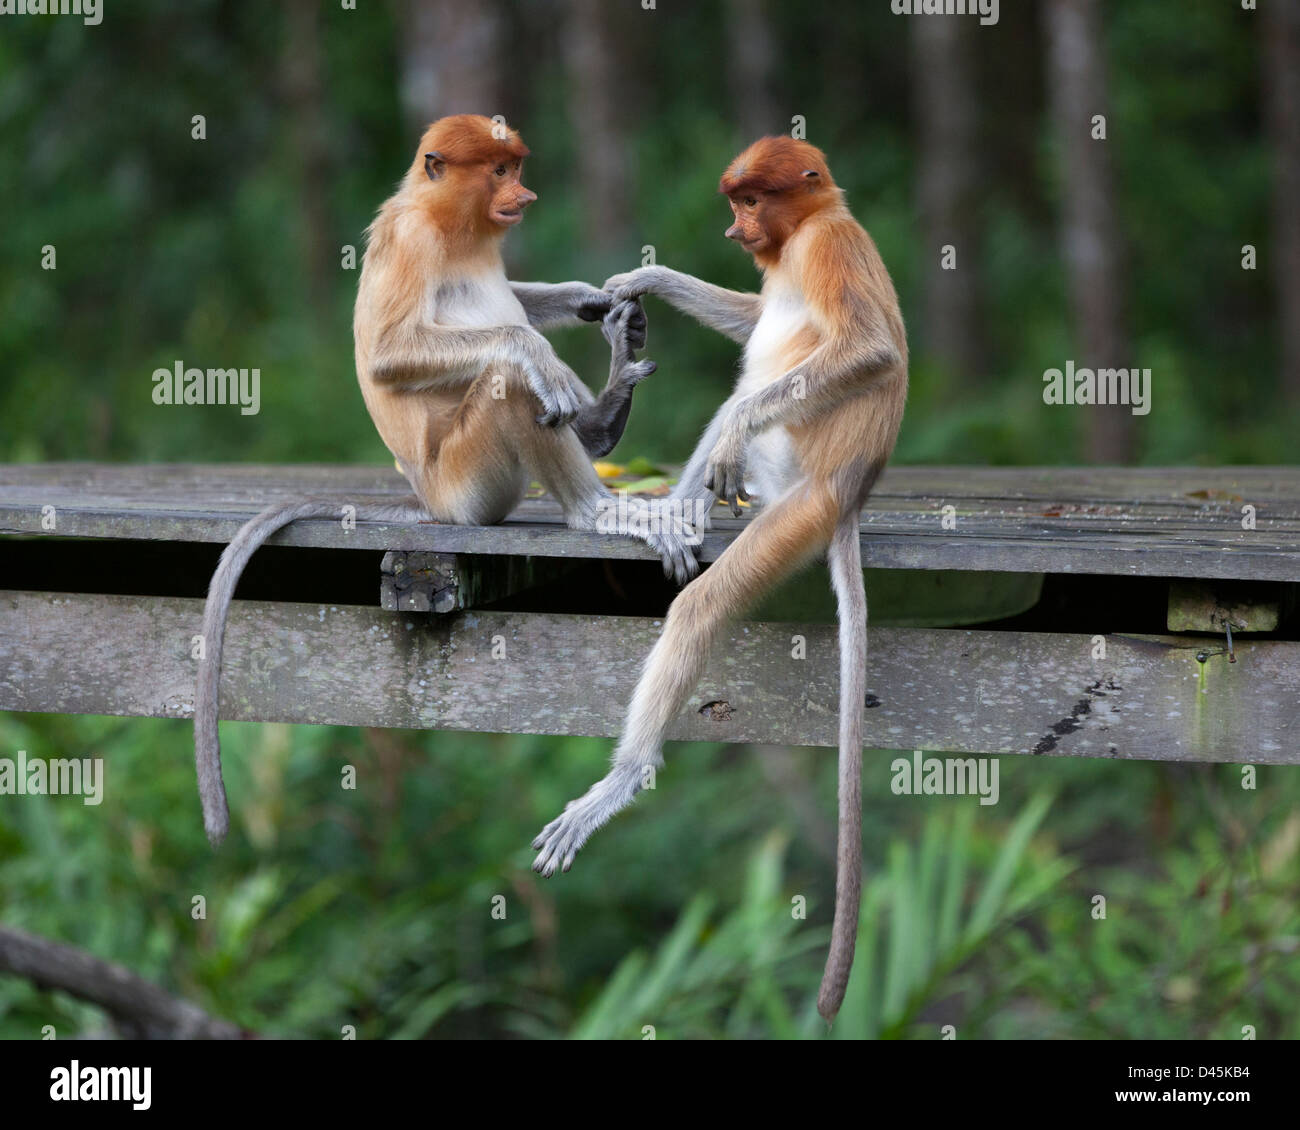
(550, 305)
(732, 313)
(833, 372)
(416, 357)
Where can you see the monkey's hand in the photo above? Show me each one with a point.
(592, 304)
(624, 328)
(552, 382)
(726, 473)
(633, 284)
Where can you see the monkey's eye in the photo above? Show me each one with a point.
(500, 170)
(749, 202)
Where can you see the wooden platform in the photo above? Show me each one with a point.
(974, 690)
(1136, 522)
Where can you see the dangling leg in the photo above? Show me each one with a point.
(783, 537)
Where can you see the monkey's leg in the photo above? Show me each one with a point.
(476, 477)
(483, 463)
(556, 457)
(600, 424)
(780, 540)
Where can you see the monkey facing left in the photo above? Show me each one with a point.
(469, 397)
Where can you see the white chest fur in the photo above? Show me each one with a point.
(475, 300)
(784, 314)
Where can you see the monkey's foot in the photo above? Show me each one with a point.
(631, 374)
(680, 558)
(676, 536)
(564, 836)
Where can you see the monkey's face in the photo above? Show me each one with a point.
(506, 195)
(752, 227)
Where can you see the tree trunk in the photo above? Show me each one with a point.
(945, 106)
(141, 1009)
(1281, 29)
(750, 56)
(451, 60)
(304, 91)
(600, 146)
(1090, 227)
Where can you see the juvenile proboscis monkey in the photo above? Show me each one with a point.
(467, 394)
(810, 426)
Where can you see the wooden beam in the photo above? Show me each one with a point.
(1167, 522)
(936, 690)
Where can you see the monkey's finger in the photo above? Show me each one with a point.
(733, 492)
(636, 326)
(540, 840)
(596, 306)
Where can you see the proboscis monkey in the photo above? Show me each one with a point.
(810, 426)
(465, 391)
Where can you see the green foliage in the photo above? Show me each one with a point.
(374, 907)
(922, 919)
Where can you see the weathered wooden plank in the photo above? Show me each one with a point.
(1136, 522)
(1191, 488)
(936, 690)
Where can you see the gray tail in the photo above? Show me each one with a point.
(207, 743)
(845, 559)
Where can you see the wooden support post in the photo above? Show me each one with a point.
(420, 581)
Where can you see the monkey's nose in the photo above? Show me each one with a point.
(733, 232)
(526, 197)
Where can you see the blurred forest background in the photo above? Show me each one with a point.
(373, 907)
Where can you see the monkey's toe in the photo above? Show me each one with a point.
(560, 841)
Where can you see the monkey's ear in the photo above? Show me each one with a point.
(435, 164)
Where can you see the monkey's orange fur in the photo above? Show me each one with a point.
(811, 424)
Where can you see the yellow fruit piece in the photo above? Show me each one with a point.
(609, 470)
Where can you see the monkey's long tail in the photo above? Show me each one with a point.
(207, 744)
(845, 560)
